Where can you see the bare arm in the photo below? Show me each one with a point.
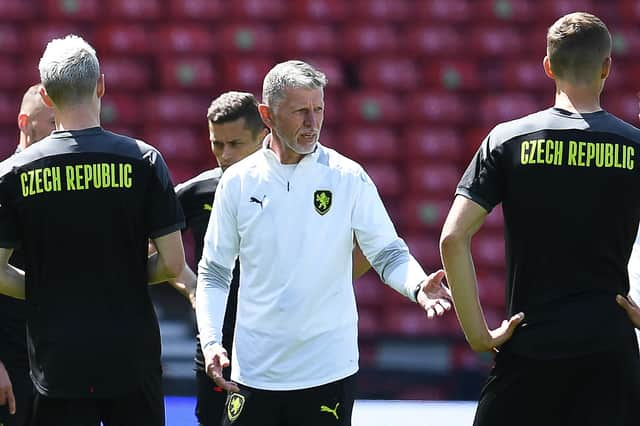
(11, 279)
(464, 220)
(632, 309)
(360, 263)
(186, 284)
(6, 390)
(168, 261)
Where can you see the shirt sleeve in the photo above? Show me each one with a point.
(483, 181)
(164, 214)
(9, 237)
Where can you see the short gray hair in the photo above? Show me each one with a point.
(69, 70)
(290, 74)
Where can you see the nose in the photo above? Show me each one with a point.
(310, 120)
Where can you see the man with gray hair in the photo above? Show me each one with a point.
(290, 213)
(93, 337)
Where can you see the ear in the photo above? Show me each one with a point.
(265, 114)
(45, 98)
(547, 68)
(100, 86)
(23, 120)
(606, 68)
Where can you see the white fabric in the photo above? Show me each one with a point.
(297, 321)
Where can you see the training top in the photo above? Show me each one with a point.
(196, 198)
(83, 204)
(297, 322)
(569, 185)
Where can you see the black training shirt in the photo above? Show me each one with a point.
(569, 185)
(83, 204)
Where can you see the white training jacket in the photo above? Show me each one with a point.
(296, 323)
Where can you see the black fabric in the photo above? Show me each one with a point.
(326, 405)
(569, 185)
(210, 400)
(83, 205)
(196, 197)
(142, 406)
(23, 392)
(13, 328)
(591, 390)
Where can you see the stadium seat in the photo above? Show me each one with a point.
(373, 107)
(28, 73)
(367, 143)
(461, 74)
(435, 40)
(526, 75)
(120, 109)
(245, 73)
(496, 108)
(175, 108)
(433, 179)
(450, 11)
(437, 145)
(132, 39)
(488, 249)
(10, 39)
(136, 10)
(177, 143)
(8, 141)
(184, 39)
(187, 73)
(507, 11)
(495, 219)
(369, 322)
(13, 10)
(389, 73)
(422, 213)
(410, 320)
(319, 10)
(9, 78)
(491, 287)
(39, 34)
(381, 10)
(628, 11)
(550, 10)
(424, 247)
(623, 104)
(488, 40)
(436, 108)
(123, 72)
(362, 41)
(206, 10)
(388, 179)
(331, 67)
(308, 39)
(369, 290)
(258, 10)
(256, 39)
(626, 42)
(9, 105)
(85, 10)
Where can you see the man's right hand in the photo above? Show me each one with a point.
(216, 358)
(6, 390)
(633, 310)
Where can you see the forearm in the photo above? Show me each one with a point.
(399, 269)
(185, 283)
(461, 276)
(158, 271)
(211, 301)
(12, 282)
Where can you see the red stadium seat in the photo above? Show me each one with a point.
(205, 10)
(464, 358)
(123, 72)
(136, 10)
(626, 42)
(247, 38)
(185, 39)
(369, 322)
(433, 179)
(85, 10)
(433, 40)
(622, 104)
(492, 289)
(8, 141)
(364, 143)
(522, 74)
(411, 320)
(9, 78)
(366, 40)
(369, 290)
(9, 105)
(424, 247)
(381, 10)
(450, 11)
(127, 39)
(39, 34)
(177, 143)
(510, 11)
(10, 39)
(426, 213)
(504, 107)
(175, 108)
(12, 10)
(389, 73)
(373, 107)
(488, 249)
(487, 40)
(120, 109)
(187, 73)
(433, 144)
(28, 73)
(388, 179)
(246, 73)
(331, 67)
(258, 10)
(495, 219)
(319, 10)
(437, 107)
(460, 74)
(308, 39)
(550, 10)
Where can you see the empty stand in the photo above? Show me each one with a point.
(437, 108)
(329, 11)
(204, 10)
(363, 40)
(136, 10)
(85, 10)
(10, 39)
(433, 179)
(258, 10)
(187, 39)
(382, 10)
(247, 38)
(187, 73)
(124, 72)
(390, 73)
(373, 107)
(125, 39)
(450, 11)
(371, 143)
(308, 39)
(433, 40)
(459, 74)
(431, 144)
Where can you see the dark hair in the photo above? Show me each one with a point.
(577, 45)
(231, 106)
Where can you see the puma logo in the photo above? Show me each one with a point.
(255, 200)
(207, 207)
(334, 411)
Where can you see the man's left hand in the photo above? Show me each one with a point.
(435, 296)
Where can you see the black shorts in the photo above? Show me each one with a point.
(142, 407)
(326, 405)
(210, 402)
(596, 389)
(24, 392)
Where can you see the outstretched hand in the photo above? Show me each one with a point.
(216, 358)
(632, 309)
(435, 296)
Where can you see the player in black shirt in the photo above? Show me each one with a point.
(83, 203)
(569, 183)
(35, 121)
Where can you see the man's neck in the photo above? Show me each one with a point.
(578, 100)
(78, 117)
(286, 155)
